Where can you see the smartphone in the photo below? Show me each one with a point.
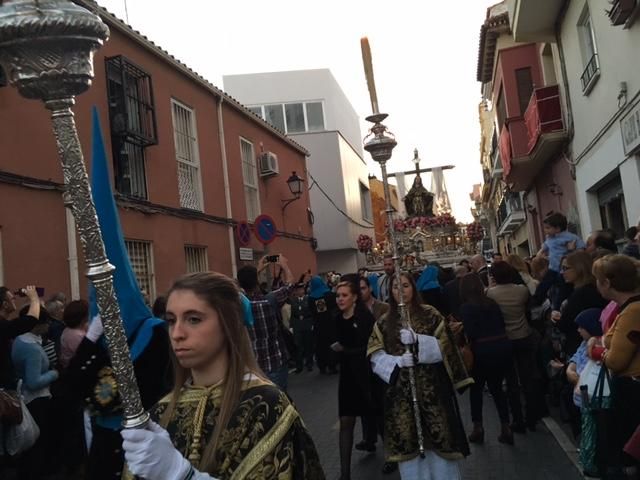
(21, 292)
(273, 258)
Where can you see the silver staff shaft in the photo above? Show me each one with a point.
(402, 307)
(46, 47)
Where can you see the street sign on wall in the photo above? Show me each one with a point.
(246, 254)
(630, 128)
(265, 229)
(243, 233)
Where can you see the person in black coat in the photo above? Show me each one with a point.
(576, 270)
(354, 326)
(10, 329)
(492, 354)
(91, 378)
(323, 308)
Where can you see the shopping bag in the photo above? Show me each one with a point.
(596, 410)
(21, 437)
(588, 443)
(589, 377)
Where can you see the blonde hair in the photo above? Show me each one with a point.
(623, 272)
(222, 294)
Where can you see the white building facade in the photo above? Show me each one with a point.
(310, 106)
(597, 49)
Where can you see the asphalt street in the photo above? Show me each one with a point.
(535, 456)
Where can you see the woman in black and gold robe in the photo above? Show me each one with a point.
(224, 420)
(439, 372)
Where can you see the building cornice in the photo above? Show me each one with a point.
(492, 28)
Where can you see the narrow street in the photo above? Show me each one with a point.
(535, 456)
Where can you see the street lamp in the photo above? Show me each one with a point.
(295, 184)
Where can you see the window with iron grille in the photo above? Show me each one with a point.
(250, 178)
(130, 172)
(187, 156)
(131, 107)
(141, 258)
(196, 259)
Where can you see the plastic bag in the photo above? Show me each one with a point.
(589, 377)
(21, 437)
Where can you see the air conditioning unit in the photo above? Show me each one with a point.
(268, 164)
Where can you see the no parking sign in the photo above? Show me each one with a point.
(243, 233)
(265, 229)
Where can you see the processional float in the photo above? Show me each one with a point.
(46, 51)
(380, 143)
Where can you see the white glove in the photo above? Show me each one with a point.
(406, 360)
(407, 336)
(95, 330)
(151, 455)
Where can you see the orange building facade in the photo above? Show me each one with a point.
(188, 163)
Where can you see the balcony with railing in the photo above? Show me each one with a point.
(528, 143)
(591, 74)
(510, 213)
(622, 12)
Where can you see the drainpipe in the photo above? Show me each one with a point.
(563, 67)
(72, 247)
(227, 190)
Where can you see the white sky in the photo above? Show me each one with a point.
(424, 59)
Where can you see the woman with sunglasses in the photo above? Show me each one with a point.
(439, 371)
(224, 419)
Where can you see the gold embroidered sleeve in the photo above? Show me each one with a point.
(376, 340)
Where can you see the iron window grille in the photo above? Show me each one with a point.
(196, 259)
(187, 156)
(130, 172)
(131, 105)
(141, 258)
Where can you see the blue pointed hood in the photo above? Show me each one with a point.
(373, 283)
(428, 279)
(317, 287)
(136, 316)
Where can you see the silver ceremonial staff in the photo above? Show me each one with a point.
(380, 143)
(46, 50)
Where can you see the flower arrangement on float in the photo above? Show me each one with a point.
(439, 221)
(365, 243)
(475, 232)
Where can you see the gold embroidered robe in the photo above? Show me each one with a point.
(442, 428)
(266, 438)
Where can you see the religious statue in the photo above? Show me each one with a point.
(419, 201)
